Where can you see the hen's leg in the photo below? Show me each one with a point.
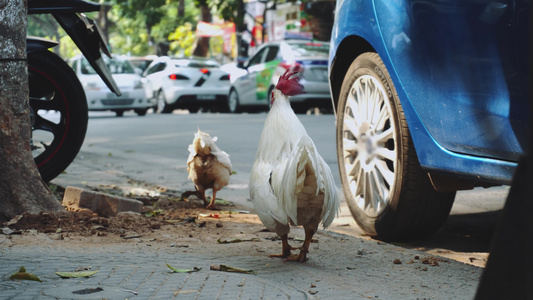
(201, 195)
(212, 204)
(309, 232)
(286, 248)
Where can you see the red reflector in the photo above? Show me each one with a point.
(173, 76)
(205, 71)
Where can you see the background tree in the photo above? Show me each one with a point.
(21, 187)
(202, 44)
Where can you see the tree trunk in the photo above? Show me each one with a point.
(202, 45)
(181, 9)
(21, 187)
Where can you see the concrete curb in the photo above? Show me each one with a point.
(104, 205)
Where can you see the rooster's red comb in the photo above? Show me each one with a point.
(290, 86)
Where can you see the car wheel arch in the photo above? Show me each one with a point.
(344, 57)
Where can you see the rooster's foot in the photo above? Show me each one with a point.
(302, 257)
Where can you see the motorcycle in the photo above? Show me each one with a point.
(58, 107)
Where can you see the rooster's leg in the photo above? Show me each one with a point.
(212, 204)
(309, 232)
(286, 248)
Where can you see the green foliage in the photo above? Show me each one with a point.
(67, 48)
(182, 40)
(140, 25)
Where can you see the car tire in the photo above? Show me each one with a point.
(388, 193)
(193, 109)
(141, 112)
(233, 106)
(162, 106)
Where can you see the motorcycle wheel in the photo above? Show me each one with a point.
(59, 113)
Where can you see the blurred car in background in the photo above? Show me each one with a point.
(252, 84)
(142, 62)
(186, 83)
(99, 98)
(431, 97)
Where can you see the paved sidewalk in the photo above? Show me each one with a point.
(340, 266)
(365, 270)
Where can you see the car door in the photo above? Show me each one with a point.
(265, 73)
(154, 79)
(246, 85)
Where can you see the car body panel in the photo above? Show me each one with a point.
(460, 70)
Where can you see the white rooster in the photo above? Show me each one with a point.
(208, 166)
(290, 183)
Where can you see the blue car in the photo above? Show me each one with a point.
(431, 97)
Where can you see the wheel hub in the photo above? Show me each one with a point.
(368, 133)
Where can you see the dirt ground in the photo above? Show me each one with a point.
(166, 221)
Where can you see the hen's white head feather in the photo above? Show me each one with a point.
(204, 144)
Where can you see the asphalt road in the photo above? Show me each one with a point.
(153, 149)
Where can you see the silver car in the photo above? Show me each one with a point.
(253, 82)
(99, 98)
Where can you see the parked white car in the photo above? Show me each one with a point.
(186, 83)
(100, 98)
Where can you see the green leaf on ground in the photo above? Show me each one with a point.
(76, 274)
(175, 270)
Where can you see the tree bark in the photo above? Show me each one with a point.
(21, 187)
(202, 45)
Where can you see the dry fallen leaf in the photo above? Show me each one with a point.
(76, 274)
(22, 275)
(220, 241)
(225, 268)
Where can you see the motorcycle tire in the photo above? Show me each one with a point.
(59, 113)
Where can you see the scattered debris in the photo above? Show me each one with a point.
(153, 213)
(88, 291)
(76, 274)
(220, 241)
(133, 236)
(133, 292)
(209, 216)
(397, 261)
(433, 261)
(225, 268)
(175, 270)
(83, 269)
(9, 231)
(23, 275)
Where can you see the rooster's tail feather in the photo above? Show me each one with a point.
(307, 172)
